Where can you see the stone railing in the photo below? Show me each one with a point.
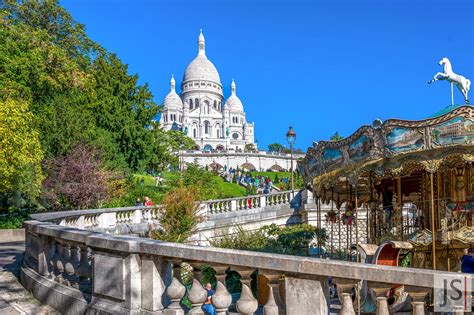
(248, 153)
(78, 271)
(112, 218)
(250, 202)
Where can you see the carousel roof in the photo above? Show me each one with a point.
(392, 145)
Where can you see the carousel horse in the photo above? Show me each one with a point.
(461, 82)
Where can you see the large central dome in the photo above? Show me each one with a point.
(201, 68)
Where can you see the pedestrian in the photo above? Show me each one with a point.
(148, 201)
(467, 261)
(207, 307)
(138, 203)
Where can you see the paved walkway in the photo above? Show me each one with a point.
(14, 299)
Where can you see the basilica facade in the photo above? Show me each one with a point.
(200, 110)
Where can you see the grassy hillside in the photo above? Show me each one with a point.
(227, 190)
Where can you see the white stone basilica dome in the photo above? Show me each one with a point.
(201, 68)
(172, 100)
(233, 103)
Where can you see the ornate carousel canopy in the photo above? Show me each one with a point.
(392, 147)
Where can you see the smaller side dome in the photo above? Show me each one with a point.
(233, 103)
(172, 100)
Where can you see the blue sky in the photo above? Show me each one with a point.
(320, 66)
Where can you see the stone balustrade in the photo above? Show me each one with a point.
(112, 218)
(249, 202)
(81, 271)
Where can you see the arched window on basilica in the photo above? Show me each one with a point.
(190, 103)
(215, 104)
(207, 127)
(196, 102)
(206, 107)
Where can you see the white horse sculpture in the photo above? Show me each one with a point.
(461, 82)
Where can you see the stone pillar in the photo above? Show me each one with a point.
(220, 272)
(263, 201)
(382, 306)
(418, 308)
(458, 310)
(221, 299)
(117, 283)
(247, 304)
(175, 292)
(271, 308)
(197, 296)
(154, 274)
(107, 220)
(305, 296)
(43, 255)
(347, 306)
(233, 205)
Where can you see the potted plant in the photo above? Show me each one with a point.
(331, 215)
(348, 216)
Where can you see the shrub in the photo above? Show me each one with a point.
(79, 180)
(179, 216)
(291, 240)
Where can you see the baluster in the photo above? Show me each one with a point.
(210, 207)
(72, 265)
(117, 217)
(275, 280)
(68, 269)
(347, 307)
(54, 260)
(270, 308)
(59, 262)
(221, 299)
(458, 310)
(382, 306)
(175, 292)
(197, 296)
(84, 271)
(418, 308)
(247, 304)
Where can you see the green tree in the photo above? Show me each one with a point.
(336, 137)
(250, 147)
(204, 182)
(20, 154)
(275, 147)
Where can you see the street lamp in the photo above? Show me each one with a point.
(291, 138)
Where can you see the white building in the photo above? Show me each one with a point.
(200, 111)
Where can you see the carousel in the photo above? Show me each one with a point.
(413, 180)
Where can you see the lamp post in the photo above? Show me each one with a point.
(291, 138)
